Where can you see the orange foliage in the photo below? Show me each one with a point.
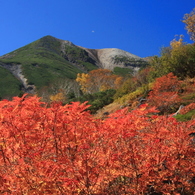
(164, 93)
(57, 97)
(98, 80)
(64, 150)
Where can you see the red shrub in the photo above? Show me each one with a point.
(64, 150)
(164, 93)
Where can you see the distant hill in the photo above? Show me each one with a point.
(48, 59)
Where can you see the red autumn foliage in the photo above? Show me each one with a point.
(64, 150)
(164, 93)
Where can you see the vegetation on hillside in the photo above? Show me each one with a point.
(178, 58)
(129, 61)
(79, 57)
(124, 72)
(189, 21)
(59, 146)
(7, 79)
(98, 80)
(60, 149)
(96, 100)
(43, 62)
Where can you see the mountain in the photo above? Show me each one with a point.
(42, 62)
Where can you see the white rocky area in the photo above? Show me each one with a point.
(106, 57)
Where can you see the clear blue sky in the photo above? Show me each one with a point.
(140, 27)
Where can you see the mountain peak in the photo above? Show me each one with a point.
(49, 59)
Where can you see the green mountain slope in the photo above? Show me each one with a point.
(43, 61)
(7, 79)
(49, 59)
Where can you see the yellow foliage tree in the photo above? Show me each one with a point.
(83, 80)
(98, 80)
(59, 97)
(181, 58)
(176, 44)
(189, 20)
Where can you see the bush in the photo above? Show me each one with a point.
(180, 60)
(165, 93)
(183, 61)
(128, 86)
(97, 100)
(124, 72)
(140, 91)
(64, 150)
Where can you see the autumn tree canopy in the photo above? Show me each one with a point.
(189, 20)
(182, 58)
(178, 58)
(98, 80)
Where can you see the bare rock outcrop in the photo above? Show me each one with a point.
(112, 57)
(108, 57)
(16, 70)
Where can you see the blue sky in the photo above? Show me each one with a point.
(140, 27)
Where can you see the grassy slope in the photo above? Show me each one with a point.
(7, 79)
(131, 100)
(42, 62)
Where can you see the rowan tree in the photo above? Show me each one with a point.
(164, 93)
(60, 149)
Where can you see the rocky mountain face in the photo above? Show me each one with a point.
(107, 58)
(113, 57)
(40, 63)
